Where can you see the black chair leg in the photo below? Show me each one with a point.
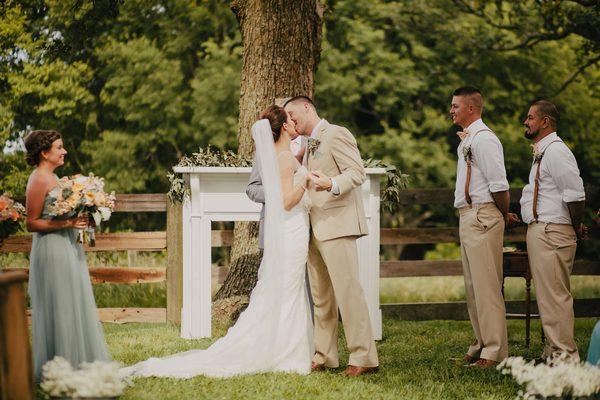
(527, 312)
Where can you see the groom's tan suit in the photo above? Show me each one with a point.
(336, 222)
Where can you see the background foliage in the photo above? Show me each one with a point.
(134, 85)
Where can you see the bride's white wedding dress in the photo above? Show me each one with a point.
(274, 333)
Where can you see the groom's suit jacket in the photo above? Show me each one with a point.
(255, 192)
(334, 216)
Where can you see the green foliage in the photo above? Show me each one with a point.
(14, 173)
(215, 92)
(122, 81)
(213, 157)
(210, 157)
(204, 157)
(135, 85)
(395, 182)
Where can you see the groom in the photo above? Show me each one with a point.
(337, 219)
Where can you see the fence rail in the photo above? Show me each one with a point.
(171, 239)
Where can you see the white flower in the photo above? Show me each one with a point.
(96, 379)
(80, 179)
(105, 213)
(560, 377)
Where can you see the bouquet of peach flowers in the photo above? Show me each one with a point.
(11, 215)
(82, 195)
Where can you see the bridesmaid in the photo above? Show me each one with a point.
(594, 350)
(65, 321)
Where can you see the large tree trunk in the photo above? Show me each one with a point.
(282, 44)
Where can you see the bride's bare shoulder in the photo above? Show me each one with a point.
(285, 156)
(287, 161)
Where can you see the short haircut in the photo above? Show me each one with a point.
(472, 94)
(300, 98)
(547, 109)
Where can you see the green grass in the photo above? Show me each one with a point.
(414, 359)
(452, 288)
(392, 290)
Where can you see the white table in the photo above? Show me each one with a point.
(219, 194)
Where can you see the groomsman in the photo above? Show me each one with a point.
(481, 197)
(552, 206)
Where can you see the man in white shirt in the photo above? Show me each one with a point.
(552, 206)
(482, 198)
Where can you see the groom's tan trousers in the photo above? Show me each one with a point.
(481, 236)
(333, 275)
(551, 250)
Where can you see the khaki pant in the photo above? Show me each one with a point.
(551, 249)
(333, 276)
(481, 236)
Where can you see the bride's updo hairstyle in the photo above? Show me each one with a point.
(38, 141)
(277, 117)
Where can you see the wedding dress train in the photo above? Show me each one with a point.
(275, 332)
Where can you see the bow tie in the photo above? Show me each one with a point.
(462, 134)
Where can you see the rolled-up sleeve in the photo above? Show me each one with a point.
(488, 153)
(565, 173)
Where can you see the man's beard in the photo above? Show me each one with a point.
(529, 134)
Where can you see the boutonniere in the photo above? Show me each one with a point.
(537, 155)
(312, 145)
(468, 154)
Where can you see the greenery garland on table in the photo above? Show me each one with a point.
(212, 157)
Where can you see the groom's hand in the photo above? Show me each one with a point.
(321, 181)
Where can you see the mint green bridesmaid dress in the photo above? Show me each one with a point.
(594, 350)
(65, 320)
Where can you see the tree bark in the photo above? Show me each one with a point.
(282, 46)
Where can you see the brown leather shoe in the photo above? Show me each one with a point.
(353, 370)
(314, 367)
(470, 359)
(485, 363)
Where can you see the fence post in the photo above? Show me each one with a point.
(16, 375)
(174, 262)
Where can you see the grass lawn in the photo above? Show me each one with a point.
(414, 359)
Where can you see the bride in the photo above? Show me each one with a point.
(275, 332)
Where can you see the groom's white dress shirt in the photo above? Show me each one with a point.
(559, 183)
(335, 190)
(297, 144)
(488, 174)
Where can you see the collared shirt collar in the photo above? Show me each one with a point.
(542, 144)
(475, 126)
(315, 130)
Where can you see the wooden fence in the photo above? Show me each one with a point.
(171, 240)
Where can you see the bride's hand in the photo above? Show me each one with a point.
(321, 181)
